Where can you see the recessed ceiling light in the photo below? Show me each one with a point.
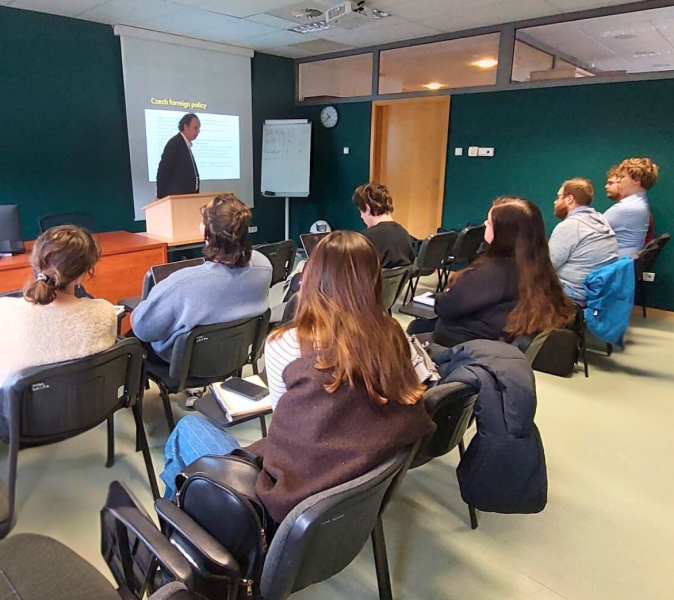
(485, 63)
(662, 65)
(434, 85)
(643, 53)
(311, 27)
(379, 14)
(623, 36)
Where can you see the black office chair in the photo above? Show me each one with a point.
(446, 269)
(132, 302)
(468, 244)
(51, 403)
(80, 292)
(208, 354)
(451, 406)
(644, 262)
(393, 281)
(282, 258)
(432, 254)
(35, 567)
(80, 219)
(323, 534)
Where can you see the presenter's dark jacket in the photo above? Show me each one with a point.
(177, 172)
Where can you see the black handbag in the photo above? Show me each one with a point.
(218, 492)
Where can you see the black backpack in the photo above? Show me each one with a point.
(218, 493)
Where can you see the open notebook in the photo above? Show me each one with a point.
(427, 298)
(235, 405)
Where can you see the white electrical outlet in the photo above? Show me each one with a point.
(458, 151)
(252, 229)
(346, 150)
(472, 151)
(485, 152)
(648, 276)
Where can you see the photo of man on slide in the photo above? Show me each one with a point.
(177, 172)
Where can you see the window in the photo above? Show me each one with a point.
(336, 78)
(636, 42)
(466, 62)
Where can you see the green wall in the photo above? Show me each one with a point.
(65, 144)
(541, 137)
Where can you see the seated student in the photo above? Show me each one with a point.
(583, 242)
(341, 378)
(391, 239)
(613, 193)
(629, 217)
(49, 324)
(232, 284)
(509, 291)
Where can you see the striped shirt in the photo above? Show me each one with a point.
(281, 351)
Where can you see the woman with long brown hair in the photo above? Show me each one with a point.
(50, 324)
(512, 290)
(341, 378)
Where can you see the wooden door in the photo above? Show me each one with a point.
(408, 155)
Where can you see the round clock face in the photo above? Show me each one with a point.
(329, 117)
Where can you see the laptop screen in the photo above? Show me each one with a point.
(309, 241)
(161, 272)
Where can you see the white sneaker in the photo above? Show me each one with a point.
(193, 394)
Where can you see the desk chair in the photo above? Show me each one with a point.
(432, 254)
(282, 258)
(208, 354)
(451, 406)
(81, 219)
(468, 243)
(51, 403)
(644, 262)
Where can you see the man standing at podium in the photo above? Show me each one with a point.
(177, 172)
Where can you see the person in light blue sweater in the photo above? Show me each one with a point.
(232, 284)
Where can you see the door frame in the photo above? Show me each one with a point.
(376, 125)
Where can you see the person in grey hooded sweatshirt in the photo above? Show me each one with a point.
(583, 242)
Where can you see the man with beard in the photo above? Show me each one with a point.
(583, 242)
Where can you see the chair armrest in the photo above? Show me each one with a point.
(169, 558)
(198, 538)
(130, 303)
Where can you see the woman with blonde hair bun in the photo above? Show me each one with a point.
(50, 324)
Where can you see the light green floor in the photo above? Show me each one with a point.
(607, 532)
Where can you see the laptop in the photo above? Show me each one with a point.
(309, 240)
(161, 272)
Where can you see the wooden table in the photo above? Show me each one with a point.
(125, 259)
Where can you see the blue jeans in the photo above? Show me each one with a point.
(192, 438)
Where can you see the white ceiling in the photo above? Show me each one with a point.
(255, 24)
(636, 43)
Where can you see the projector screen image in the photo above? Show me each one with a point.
(216, 150)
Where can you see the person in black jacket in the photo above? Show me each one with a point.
(391, 239)
(511, 291)
(177, 172)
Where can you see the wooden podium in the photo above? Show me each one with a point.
(176, 219)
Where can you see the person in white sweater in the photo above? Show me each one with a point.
(49, 324)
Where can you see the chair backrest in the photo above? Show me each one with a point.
(451, 237)
(468, 243)
(450, 405)
(81, 219)
(212, 353)
(282, 258)
(434, 250)
(54, 402)
(393, 281)
(12, 294)
(323, 534)
(646, 258)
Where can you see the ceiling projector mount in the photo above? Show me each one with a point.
(347, 15)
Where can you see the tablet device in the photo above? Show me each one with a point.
(161, 272)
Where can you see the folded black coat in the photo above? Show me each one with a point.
(503, 469)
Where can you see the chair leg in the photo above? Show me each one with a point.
(407, 291)
(263, 426)
(111, 442)
(381, 561)
(609, 349)
(471, 509)
(145, 449)
(166, 400)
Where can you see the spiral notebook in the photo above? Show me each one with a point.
(236, 405)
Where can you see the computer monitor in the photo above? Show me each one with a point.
(11, 241)
(309, 241)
